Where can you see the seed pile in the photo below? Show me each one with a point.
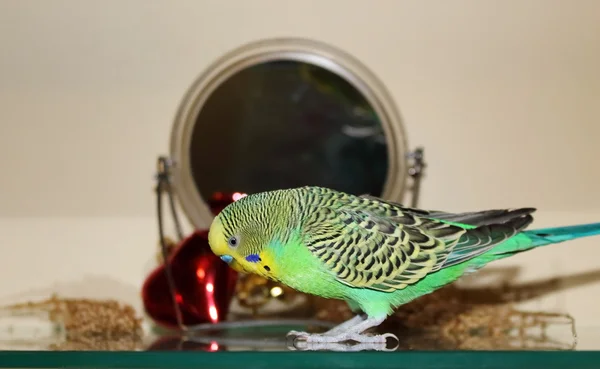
(90, 324)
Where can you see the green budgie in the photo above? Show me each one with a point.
(374, 254)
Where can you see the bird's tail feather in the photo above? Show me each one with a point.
(530, 239)
(546, 236)
(524, 241)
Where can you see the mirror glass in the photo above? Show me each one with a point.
(284, 124)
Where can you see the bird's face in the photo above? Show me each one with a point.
(239, 243)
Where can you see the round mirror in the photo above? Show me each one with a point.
(286, 113)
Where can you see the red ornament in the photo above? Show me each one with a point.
(204, 284)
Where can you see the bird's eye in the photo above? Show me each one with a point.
(233, 241)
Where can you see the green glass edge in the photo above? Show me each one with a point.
(306, 360)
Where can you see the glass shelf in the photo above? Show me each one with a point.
(266, 347)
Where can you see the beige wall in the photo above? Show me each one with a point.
(504, 95)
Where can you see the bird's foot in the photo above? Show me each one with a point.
(345, 325)
(341, 337)
(341, 347)
(335, 330)
(350, 331)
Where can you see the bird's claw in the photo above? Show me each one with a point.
(296, 334)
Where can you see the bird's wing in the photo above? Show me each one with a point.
(382, 246)
(466, 219)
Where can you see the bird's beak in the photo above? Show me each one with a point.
(227, 258)
(233, 264)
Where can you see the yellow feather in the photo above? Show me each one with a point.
(216, 238)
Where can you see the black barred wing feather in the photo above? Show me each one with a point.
(364, 249)
(370, 243)
(474, 219)
(482, 238)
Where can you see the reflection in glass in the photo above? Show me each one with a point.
(287, 124)
(448, 319)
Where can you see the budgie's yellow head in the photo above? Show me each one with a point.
(239, 235)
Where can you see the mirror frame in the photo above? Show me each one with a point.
(267, 50)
